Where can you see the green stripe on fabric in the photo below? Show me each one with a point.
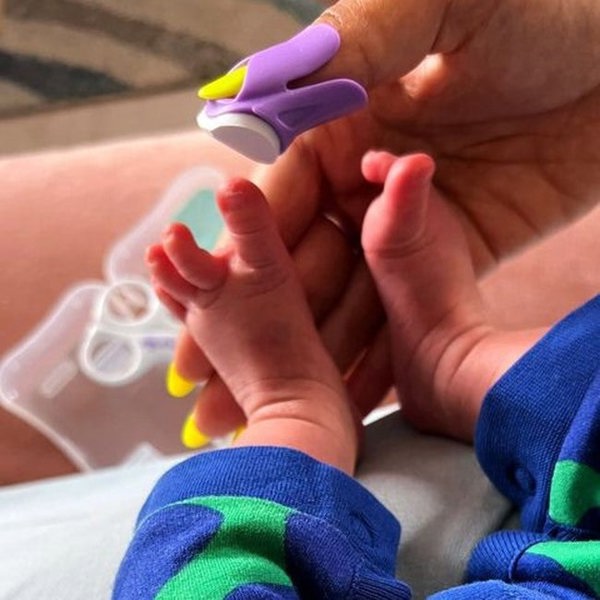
(575, 489)
(580, 559)
(248, 548)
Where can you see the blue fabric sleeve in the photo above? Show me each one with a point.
(538, 439)
(336, 540)
(272, 523)
(527, 416)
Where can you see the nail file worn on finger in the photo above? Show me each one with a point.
(254, 110)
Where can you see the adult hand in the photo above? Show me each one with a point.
(504, 95)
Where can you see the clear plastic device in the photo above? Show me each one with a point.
(91, 377)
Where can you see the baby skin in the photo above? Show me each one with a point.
(245, 308)
(445, 352)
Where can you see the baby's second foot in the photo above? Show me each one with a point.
(245, 308)
(445, 353)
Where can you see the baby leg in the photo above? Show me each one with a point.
(246, 309)
(446, 355)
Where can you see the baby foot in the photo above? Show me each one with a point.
(245, 308)
(446, 355)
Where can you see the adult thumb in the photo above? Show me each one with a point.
(381, 39)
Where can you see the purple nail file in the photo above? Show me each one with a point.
(266, 114)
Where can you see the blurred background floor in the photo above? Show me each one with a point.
(81, 71)
(99, 120)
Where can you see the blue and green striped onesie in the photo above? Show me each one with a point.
(272, 523)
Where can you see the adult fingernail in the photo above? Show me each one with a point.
(178, 386)
(191, 436)
(237, 433)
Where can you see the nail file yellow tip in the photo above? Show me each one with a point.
(191, 437)
(178, 386)
(227, 86)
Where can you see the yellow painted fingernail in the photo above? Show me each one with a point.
(191, 436)
(237, 433)
(177, 385)
(227, 86)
